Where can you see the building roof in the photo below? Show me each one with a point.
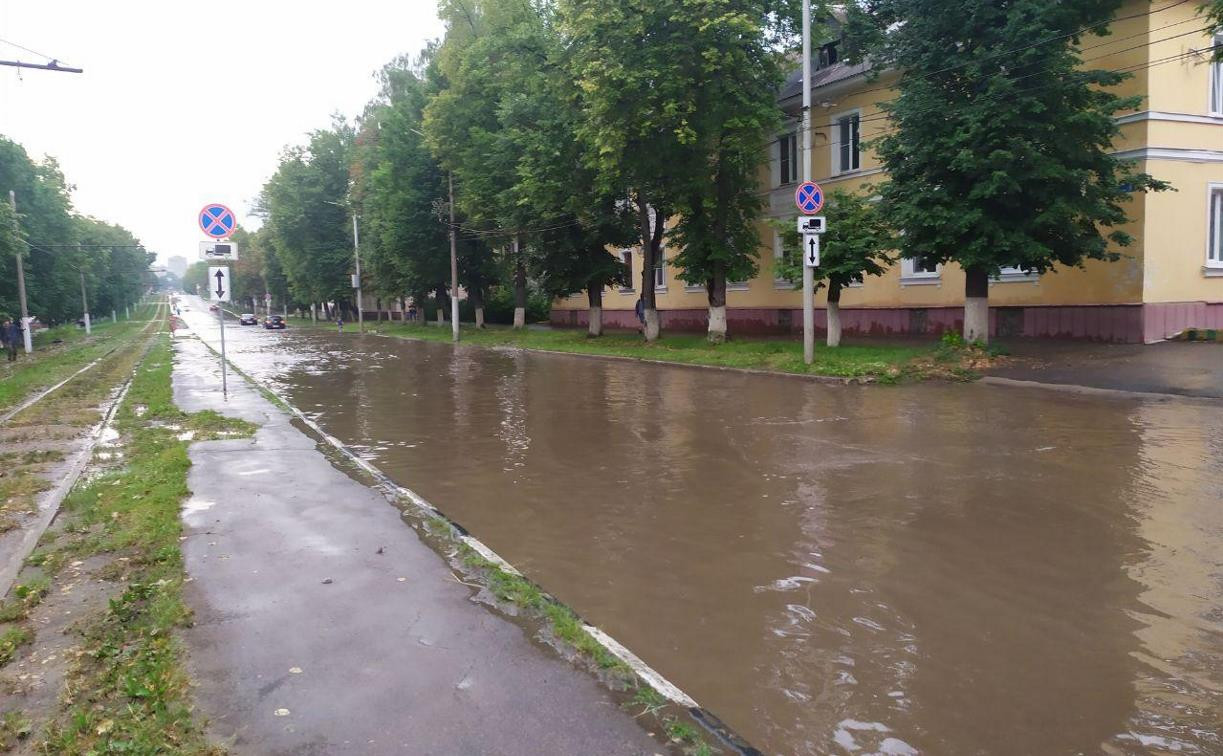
(793, 86)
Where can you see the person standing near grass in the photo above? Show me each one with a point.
(339, 324)
(10, 334)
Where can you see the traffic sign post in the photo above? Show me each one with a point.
(219, 251)
(218, 278)
(809, 199)
(218, 221)
(811, 250)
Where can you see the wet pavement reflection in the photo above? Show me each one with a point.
(933, 568)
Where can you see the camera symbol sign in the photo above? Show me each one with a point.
(809, 197)
(217, 221)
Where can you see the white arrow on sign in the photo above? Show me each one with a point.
(218, 283)
(811, 250)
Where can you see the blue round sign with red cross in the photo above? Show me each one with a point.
(809, 197)
(218, 221)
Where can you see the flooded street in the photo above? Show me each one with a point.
(934, 568)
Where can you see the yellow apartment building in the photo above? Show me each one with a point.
(1169, 279)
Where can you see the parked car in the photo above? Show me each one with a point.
(248, 318)
(275, 322)
(213, 308)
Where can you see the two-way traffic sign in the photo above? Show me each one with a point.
(811, 250)
(218, 283)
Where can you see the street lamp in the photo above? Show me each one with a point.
(356, 251)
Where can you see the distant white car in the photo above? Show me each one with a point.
(248, 318)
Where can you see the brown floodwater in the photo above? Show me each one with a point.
(941, 569)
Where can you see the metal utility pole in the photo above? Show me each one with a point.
(454, 268)
(85, 304)
(356, 250)
(808, 272)
(25, 310)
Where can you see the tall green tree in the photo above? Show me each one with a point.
(400, 187)
(488, 57)
(678, 97)
(859, 242)
(998, 148)
(305, 209)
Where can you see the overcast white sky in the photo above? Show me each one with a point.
(186, 103)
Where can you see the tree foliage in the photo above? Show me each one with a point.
(59, 246)
(304, 205)
(859, 242)
(998, 158)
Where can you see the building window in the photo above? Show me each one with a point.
(787, 148)
(660, 270)
(1216, 82)
(828, 55)
(626, 257)
(1214, 249)
(1014, 273)
(917, 270)
(846, 151)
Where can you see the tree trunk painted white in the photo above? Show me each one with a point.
(480, 317)
(653, 324)
(441, 316)
(313, 312)
(834, 324)
(717, 324)
(520, 317)
(976, 319)
(595, 327)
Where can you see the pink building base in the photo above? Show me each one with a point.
(1137, 323)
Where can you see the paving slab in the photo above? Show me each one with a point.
(1174, 367)
(323, 624)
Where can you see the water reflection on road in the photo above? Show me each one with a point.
(943, 569)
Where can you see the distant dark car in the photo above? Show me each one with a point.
(213, 308)
(248, 318)
(275, 322)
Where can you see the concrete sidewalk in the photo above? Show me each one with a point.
(1175, 367)
(324, 624)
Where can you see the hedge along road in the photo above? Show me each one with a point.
(934, 568)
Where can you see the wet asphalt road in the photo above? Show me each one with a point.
(932, 568)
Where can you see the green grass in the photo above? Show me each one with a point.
(53, 362)
(884, 362)
(129, 690)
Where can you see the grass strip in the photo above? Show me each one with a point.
(59, 352)
(128, 691)
(883, 363)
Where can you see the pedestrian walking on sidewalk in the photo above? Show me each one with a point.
(640, 310)
(339, 324)
(10, 334)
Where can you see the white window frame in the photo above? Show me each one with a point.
(779, 253)
(1215, 104)
(795, 167)
(660, 270)
(910, 276)
(1214, 228)
(1014, 274)
(836, 143)
(630, 289)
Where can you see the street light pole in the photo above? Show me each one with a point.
(356, 251)
(808, 272)
(454, 268)
(25, 311)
